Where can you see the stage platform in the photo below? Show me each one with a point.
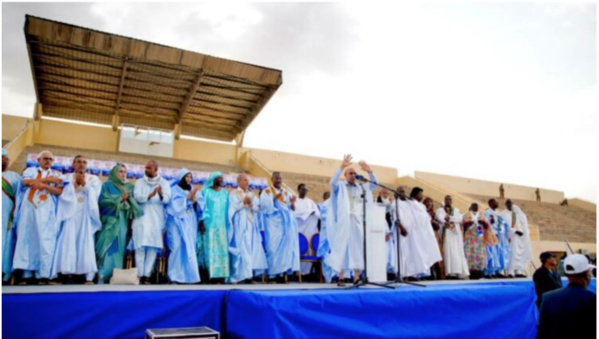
(448, 309)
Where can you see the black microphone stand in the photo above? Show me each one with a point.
(365, 281)
(398, 279)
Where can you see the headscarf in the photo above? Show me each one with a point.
(125, 187)
(210, 182)
(180, 179)
(119, 183)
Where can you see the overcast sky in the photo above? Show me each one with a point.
(504, 92)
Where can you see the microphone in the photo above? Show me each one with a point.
(360, 177)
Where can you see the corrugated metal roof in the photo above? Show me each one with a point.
(87, 75)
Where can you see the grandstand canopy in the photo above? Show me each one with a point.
(87, 75)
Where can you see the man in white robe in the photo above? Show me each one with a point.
(152, 192)
(519, 237)
(423, 232)
(35, 219)
(307, 215)
(345, 219)
(456, 265)
(245, 243)
(383, 200)
(78, 217)
(414, 259)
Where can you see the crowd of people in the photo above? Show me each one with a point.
(57, 226)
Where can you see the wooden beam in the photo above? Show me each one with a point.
(258, 107)
(189, 97)
(121, 84)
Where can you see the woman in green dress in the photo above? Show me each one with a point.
(117, 210)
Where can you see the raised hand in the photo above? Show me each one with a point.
(293, 199)
(125, 196)
(247, 201)
(364, 166)
(346, 161)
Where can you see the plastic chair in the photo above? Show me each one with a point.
(303, 245)
(315, 242)
(304, 257)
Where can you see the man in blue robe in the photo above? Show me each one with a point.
(11, 185)
(323, 244)
(496, 261)
(282, 244)
(245, 243)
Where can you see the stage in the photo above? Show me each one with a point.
(451, 309)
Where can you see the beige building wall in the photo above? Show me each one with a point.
(204, 151)
(589, 206)
(297, 163)
(60, 133)
(490, 188)
(11, 126)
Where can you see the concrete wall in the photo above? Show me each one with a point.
(19, 138)
(297, 163)
(60, 133)
(11, 125)
(589, 206)
(204, 151)
(490, 188)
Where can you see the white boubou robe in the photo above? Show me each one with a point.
(453, 243)
(147, 229)
(419, 249)
(78, 217)
(345, 223)
(245, 243)
(521, 248)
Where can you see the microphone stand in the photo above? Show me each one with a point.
(398, 279)
(363, 282)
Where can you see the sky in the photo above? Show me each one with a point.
(505, 92)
